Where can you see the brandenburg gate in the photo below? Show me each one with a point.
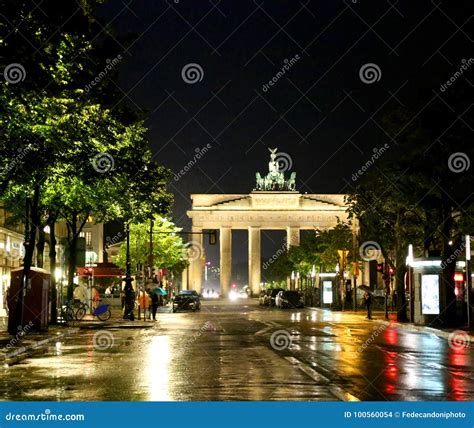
(273, 205)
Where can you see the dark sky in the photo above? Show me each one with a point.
(320, 112)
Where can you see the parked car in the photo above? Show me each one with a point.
(261, 298)
(187, 299)
(289, 299)
(270, 298)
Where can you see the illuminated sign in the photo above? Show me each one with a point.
(327, 292)
(430, 294)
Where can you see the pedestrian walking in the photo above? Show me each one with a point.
(144, 302)
(368, 303)
(154, 305)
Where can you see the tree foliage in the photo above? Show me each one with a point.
(169, 249)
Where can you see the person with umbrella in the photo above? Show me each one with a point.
(156, 294)
(368, 303)
(368, 300)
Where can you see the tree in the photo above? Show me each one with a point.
(319, 249)
(169, 249)
(420, 194)
(87, 158)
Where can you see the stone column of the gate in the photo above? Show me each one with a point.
(292, 240)
(195, 254)
(254, 260)
(225, 239)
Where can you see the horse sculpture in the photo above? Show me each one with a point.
(275, 179)
(291, 183)
(260, 182)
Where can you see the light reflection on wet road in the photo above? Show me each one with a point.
(225, 352)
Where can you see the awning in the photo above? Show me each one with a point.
(109, 270)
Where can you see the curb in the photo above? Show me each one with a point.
(430, 330)
(419, 328)
(17, 354)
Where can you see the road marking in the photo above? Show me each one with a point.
(263, 331)
(337, 391)
(341, 394)
(318, 377)
(271, 325)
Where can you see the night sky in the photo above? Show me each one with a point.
(320, 112)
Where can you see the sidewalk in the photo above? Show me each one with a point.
(379, 317)
(15, 348)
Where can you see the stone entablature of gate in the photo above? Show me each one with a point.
(212, 220)
(268, 201)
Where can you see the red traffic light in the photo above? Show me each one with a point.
(234, 285)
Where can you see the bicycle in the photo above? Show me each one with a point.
(102, 312)
(67, 313)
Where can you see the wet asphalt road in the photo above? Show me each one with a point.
(240, 351)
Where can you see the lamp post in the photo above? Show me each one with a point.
(468, 280)
(128, 289)
(409, 263)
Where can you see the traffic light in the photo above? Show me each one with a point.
(213, 237)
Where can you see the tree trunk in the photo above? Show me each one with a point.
(448, 316)
(40, 244)
(72, 255)
(400, 287)
(32, 220)
(73, 235)
(400, 273)
(52, 258)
